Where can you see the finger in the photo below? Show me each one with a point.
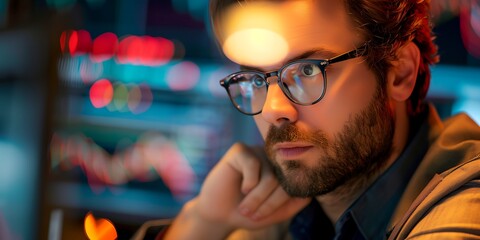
(258, 195)
(248, 164)
(278, 198)
(220, 195)
(250, 169)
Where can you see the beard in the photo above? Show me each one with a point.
(360, 150)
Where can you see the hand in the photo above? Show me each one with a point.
(241, 191)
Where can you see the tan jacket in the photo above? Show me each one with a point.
(448, 207)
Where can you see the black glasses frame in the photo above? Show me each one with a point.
(321, 63)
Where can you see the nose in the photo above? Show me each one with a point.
(278, 109)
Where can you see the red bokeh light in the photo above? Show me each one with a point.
(63, 41)
(80, 42)
(164, 50)
(101, 93)
(104, 47)
(73, 42)
(137, 50)
(470, 28)
(122, 56)
(146, 50)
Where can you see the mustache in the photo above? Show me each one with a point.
(291, 133)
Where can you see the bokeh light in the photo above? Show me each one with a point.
(104, 47)
(90, 71)
(183, 76)
(134, 97)
(99, 229)
(120, 97)
(131, 49)
(468, 12)
(215, 77)
(140, 98)
(157, 51)
(470, 28)
(101, 93)
(80, 42)
(146, 50)
(63, 40)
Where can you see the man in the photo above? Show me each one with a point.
(351, 149)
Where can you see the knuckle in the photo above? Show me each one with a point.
(239, 146)
(254, 200)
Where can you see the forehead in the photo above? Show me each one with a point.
(269, 33)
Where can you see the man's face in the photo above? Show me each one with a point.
(314, 149)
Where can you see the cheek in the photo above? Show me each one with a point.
(348, 92)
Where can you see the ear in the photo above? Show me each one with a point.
(402, 76)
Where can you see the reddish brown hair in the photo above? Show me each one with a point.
(387, 26)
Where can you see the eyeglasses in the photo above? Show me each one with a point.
(304, 82)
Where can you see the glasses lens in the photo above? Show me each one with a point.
(303, 82)
(248, 92)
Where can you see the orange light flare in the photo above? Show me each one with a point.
(101, 229)
(255, 34)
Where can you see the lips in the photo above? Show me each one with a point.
(291, 150)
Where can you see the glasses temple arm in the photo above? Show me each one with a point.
(361, 51)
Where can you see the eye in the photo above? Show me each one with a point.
(258, 81)
(308, 69)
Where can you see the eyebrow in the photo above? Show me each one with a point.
(303, 55)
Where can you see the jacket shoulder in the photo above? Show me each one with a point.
(448, 206)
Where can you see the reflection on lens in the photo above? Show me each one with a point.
(248, 92)
(303, 82)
